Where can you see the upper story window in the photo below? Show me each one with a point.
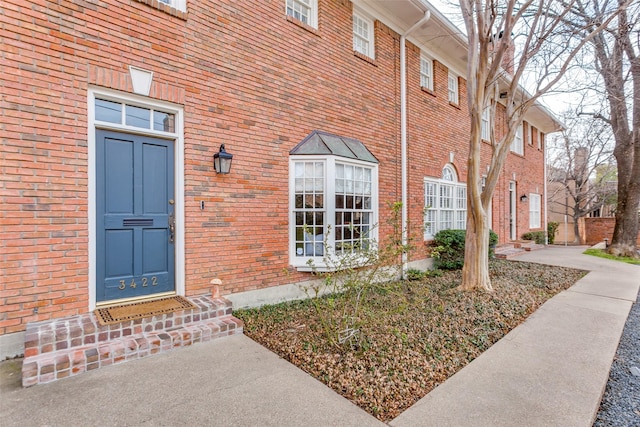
(517, 145)
(453, 88)
(176, 4)
(529, 134)
(426, 73)
(486, 124)
(540, 140)
(333, 189)
(445, 203)
(305, 11)
(534, 210)
(363, 35)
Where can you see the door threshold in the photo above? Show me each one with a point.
(120, 301)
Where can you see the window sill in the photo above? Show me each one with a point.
(165, 8)
(454, 105)
(302, 25)
(517, 154)
(365, 58)
(427, 90)
(314, 269)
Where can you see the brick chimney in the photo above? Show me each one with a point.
(509, 55)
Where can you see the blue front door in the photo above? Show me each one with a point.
(135, 216)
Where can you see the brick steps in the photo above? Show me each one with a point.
(511, 250)
(70, 346)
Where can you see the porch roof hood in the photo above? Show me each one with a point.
(325, 143)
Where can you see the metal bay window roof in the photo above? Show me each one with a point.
(324, 143)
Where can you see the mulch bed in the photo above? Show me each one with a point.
(416, 334)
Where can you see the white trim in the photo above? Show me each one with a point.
(178, 137)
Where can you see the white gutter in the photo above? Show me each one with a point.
(403, 129)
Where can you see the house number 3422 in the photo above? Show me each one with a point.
(144, 283)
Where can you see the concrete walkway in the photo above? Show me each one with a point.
(552, 369)
(549, 371)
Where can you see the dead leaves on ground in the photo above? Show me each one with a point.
(413, 338)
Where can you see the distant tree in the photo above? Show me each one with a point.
(545, 46)
(616, 58)
(580, 168)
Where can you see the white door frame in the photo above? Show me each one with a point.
(177, 136)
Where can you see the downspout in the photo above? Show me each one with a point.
(403, 130)
(544, 158)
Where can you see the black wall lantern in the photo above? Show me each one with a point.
(222, 161)
(524, 198)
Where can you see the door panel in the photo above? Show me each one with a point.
(135, 192)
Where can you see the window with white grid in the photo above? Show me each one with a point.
(445, 203)
(453, 88)
(353, 219)
(426, 73)
(176, 4)
(534, 210)
(362, 35)
(334, 207)
(305, 11)
(517, 145)
(486, 123)
(309, 208)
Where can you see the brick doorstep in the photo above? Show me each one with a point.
(70, 346)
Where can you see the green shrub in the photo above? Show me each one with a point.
(448, 250)
(552, 229)
(537, 236)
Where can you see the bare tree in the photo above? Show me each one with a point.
(580, 165)
(543, 41)
(616, 51)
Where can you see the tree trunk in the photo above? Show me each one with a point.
(625, 232)
(475, 272)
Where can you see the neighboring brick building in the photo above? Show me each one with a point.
(112, 112)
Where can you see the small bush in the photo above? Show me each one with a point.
(537, 236)
(449, 248)
(552, 229)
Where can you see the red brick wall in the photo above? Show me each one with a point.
(595, 230)
(247, 77)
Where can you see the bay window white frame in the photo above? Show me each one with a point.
(318, 262)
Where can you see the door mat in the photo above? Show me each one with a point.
(139, 310)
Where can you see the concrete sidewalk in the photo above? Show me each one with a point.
(549, 371)
(553, 368)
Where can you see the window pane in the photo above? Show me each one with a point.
(165, 122)
(107, 111)
(138, 117)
